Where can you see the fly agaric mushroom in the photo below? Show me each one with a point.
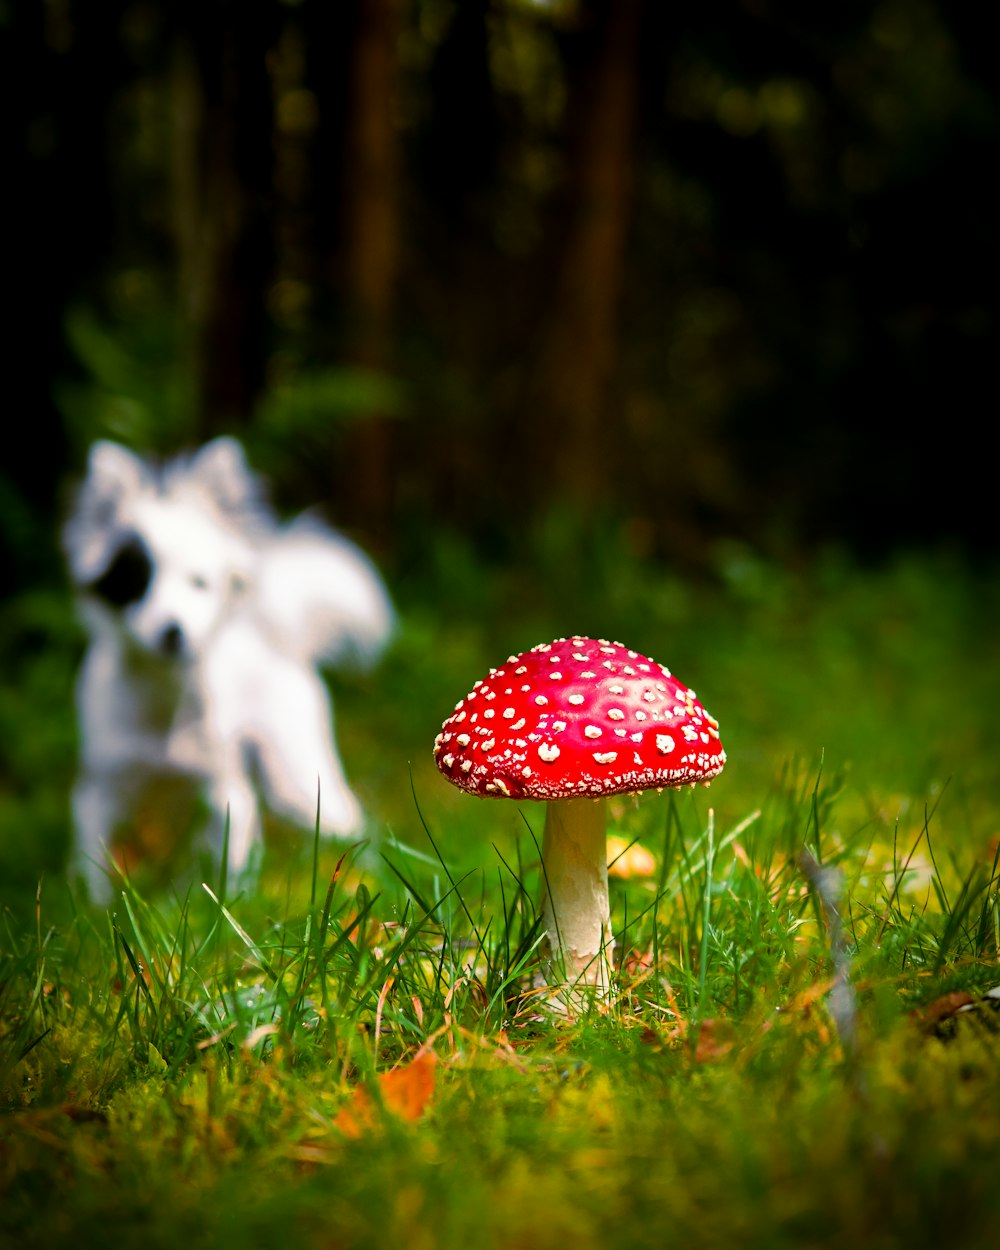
(570, 722)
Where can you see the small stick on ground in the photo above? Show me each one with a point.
(826, 882)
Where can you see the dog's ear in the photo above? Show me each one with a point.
(93, 520)
(112, 469)
(221, 467)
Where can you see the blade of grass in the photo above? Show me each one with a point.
(441, 860)
(706, 920)
(242, 934)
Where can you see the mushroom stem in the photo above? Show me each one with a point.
(576, 912)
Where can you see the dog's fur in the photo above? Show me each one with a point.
(207, 620)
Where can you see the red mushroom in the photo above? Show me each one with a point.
(571, 722)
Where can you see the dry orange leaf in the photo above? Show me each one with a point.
(629, 859)
(403, 1092)
(942, 1008)
(715, 1040)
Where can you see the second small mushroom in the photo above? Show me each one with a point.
(571, 722)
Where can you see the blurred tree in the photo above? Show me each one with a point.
(458, 144)
(369, 248)
(578, 348)
(221, 179)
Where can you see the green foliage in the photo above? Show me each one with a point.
(133, 384)
(306, 404)
(40, 646)
(135, 387)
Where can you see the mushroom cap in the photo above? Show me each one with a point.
(578, 717)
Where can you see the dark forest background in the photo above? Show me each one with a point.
(453, 268)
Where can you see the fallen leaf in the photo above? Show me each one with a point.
(942, 1008)
(258, 1035)
(805, 998)
(403, 1092)
(629, 859)
(715, 1040)
(943, 1017)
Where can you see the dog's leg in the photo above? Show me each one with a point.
(233, 800)
(95, 813)
(299, 763)
(296, 783)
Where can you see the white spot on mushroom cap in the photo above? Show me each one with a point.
(548, 751)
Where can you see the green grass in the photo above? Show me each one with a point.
(176, 1069)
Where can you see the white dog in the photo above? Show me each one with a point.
(207, 619)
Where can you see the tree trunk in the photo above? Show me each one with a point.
(221, 176)
(370, 236)
(579, 347)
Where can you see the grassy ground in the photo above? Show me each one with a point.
(801, 1051)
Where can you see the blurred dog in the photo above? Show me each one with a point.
(207, 620)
